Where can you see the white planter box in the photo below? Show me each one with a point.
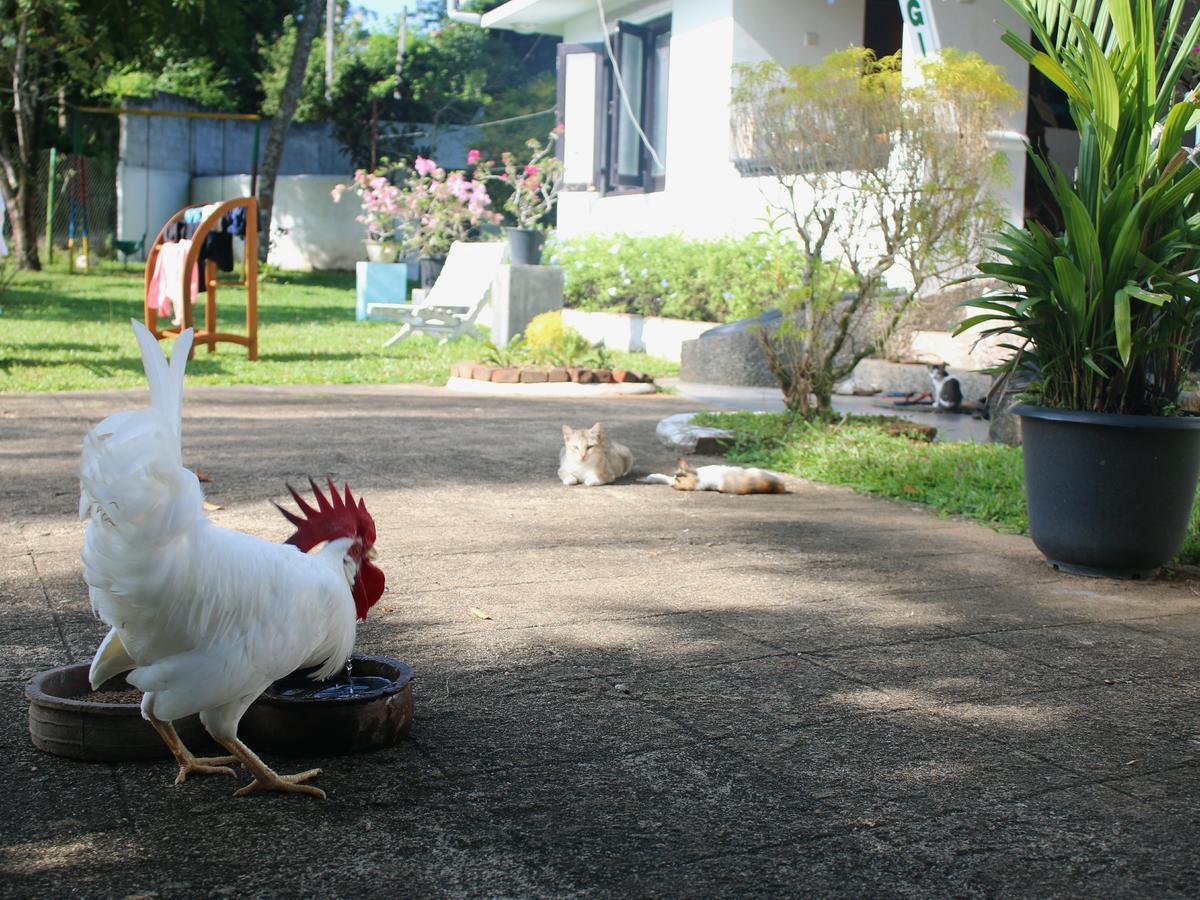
(647, 334)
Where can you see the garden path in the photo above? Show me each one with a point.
(681, 694)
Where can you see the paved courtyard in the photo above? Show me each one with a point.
(816, 694)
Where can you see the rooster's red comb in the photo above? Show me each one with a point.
(335, 517)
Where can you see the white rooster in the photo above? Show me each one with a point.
(204, 619)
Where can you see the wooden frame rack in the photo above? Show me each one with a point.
(209, 334)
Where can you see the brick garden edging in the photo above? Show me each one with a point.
(541, 374)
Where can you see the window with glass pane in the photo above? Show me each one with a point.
(629, 142)
(658, 111)
(638, 114)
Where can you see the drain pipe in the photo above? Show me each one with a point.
(454, 14)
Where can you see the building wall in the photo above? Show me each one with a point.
(699, 167)
(794, 32)
(705, 196)
(976, 25)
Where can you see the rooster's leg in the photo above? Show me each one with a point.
(188, 764)
(265, 778)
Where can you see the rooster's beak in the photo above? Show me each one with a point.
(372, 553)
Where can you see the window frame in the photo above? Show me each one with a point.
(596, 50)
(612, 110)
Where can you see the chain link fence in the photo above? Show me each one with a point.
(84, 189)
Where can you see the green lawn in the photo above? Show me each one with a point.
(63, 332)
(984, 482)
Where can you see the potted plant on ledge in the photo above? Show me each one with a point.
(1103, 315)
(441, 208)
(381, 208)
(533, 192)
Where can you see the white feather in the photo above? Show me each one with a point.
(209, 617)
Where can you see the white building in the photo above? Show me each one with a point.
(676, 60)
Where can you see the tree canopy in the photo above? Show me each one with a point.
(453, 74)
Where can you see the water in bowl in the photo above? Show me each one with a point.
(341, 688)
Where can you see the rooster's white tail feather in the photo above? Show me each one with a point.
(134, 490)
(166, 382)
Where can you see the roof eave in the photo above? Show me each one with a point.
(541, 16)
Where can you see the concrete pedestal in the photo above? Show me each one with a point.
(521, 292)
(379, 283)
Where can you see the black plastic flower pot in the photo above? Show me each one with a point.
(430, 268)
(525, 246)
(1109, 495)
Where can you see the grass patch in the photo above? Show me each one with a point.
(983, 482)
(63, 332)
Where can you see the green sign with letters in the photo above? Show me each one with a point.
(918, 19)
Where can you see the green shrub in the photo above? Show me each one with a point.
(667, 275)
(545, 330)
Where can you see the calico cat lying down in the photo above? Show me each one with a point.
(590, 458)
(725, 479)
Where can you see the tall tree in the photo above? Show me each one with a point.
(18, 154)
(455, 74)
(56, 52)
(39, 42)
(306, 30)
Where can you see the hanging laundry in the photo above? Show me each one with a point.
(166, 284)
(235, 221)
(217, 246)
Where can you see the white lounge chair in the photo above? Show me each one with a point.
(455, 301)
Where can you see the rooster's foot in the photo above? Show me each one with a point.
(265, 778)
(290, 784)
(188, 764)
(205, 765)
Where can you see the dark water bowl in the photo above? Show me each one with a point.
(305, 726)
(64, 722)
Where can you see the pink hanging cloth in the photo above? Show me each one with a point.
(166, 284)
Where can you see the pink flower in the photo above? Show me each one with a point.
(424, 166)
(531, 169)
(336, 193)
(473, 157)
(504, 177)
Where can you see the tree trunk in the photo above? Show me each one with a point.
(822, 389)
(22, 216)
(18, 164)
(306, 30)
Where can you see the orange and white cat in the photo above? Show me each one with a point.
(589, 457)
(725, 479)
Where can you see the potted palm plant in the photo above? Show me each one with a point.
(1102, 316)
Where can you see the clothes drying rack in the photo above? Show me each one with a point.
(209, 334)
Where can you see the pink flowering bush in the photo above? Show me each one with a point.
(435, 207)
(382, 205)
(441, 208)
(534, 184)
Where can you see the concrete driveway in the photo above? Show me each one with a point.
(677, 694)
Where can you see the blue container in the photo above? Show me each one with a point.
(379, 283)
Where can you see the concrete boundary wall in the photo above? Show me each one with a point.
(650, 334)
(166, 163)
(309, 232)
